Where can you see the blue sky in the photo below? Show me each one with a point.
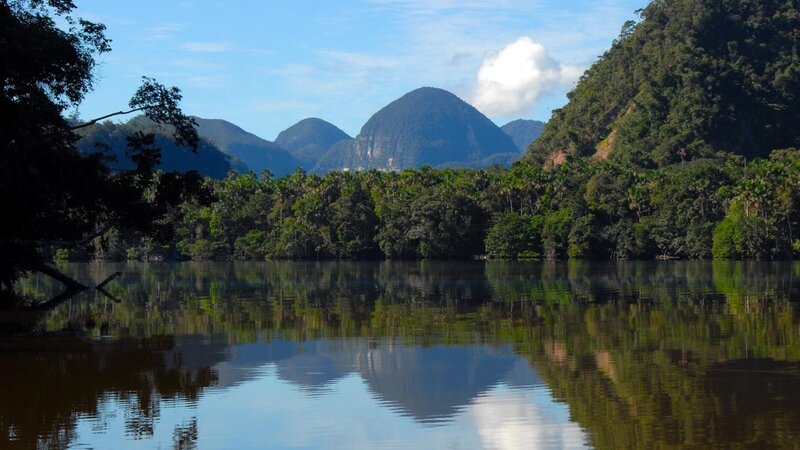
(266, 64)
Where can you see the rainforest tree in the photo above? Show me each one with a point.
(51, 194)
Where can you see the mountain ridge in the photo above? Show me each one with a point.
(256, 153)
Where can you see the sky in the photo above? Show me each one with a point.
(266, 64)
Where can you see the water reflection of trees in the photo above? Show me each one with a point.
(676, 374)
(47, 383)
(646, 354)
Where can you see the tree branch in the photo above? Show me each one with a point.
(94, 121)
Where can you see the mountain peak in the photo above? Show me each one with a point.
(523, 131)
(427, 126)
(310, 138)
(310, 131)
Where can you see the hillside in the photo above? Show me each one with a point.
(689, 80)
(309, 139)
(427, 126)
(111, 138)
(523, 132)
(256, 153)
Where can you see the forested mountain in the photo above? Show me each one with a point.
(256, 153)
(427, 126)
(112, 139)
(309, 139)
(690, 79)
(523, 132)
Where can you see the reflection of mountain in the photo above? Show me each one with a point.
(427, 383)
(522, 376)
(196, 352)
(317, 365)
(432, 383)
(311, 365)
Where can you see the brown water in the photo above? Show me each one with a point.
(411, 355)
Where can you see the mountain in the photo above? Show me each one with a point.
(309, 139)
(256, 153)
(690, 79)
(427, 126)
(111, 139)
(523, 132)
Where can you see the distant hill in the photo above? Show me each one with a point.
(309, 139)
(111, 139)
(256, 153)
(336, 158)
(523, 132)
(427, 126)
(691, 79)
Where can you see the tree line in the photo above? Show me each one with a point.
(723, 207)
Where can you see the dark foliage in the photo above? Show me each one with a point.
(50, 193)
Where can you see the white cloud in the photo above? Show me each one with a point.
(163, 31)
(511, 419)
(511, 80)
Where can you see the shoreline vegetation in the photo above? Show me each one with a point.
(723, 207)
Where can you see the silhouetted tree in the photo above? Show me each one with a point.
(51, 194)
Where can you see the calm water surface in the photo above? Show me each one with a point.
(410, 355)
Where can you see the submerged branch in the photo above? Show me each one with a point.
(109, 295)
(70, 283)
(108, 280)
(73, 287)
(57, 300)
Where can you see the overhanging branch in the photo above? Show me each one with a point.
(94, 121)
